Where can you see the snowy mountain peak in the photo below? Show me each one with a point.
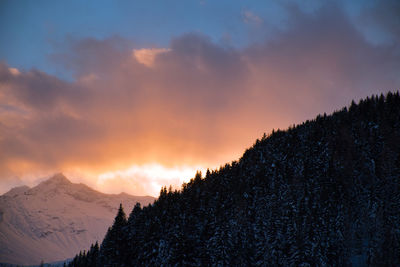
(56, 219)
(58, 179)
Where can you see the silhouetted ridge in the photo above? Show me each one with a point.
(323, 193)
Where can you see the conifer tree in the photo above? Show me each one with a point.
(113, 250)
(323, 193)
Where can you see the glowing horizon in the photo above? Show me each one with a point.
(141, 96)
(158, 175)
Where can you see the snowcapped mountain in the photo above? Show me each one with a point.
(56, 219)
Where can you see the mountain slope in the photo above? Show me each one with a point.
(323, 193)
(55, 220)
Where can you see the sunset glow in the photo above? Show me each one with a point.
(143, 95)
(153, 175)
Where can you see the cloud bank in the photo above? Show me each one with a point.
(195, 103)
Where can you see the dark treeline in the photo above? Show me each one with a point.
(323, 193)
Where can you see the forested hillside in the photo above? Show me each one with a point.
(323, 193)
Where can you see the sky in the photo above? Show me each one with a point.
(134, 95)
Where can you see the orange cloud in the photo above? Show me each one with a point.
(146, 56)
(200, 104)
(14, 71)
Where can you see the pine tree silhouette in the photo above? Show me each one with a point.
(322, 193)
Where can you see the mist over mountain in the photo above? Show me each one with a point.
(323, 193)
(55, 220)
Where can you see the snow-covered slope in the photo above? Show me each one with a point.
(56, 219)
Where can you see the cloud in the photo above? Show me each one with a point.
(147, 178)
(146, 56)
(249, 17)
(199, 104)
(14, 71)
(381, 19)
